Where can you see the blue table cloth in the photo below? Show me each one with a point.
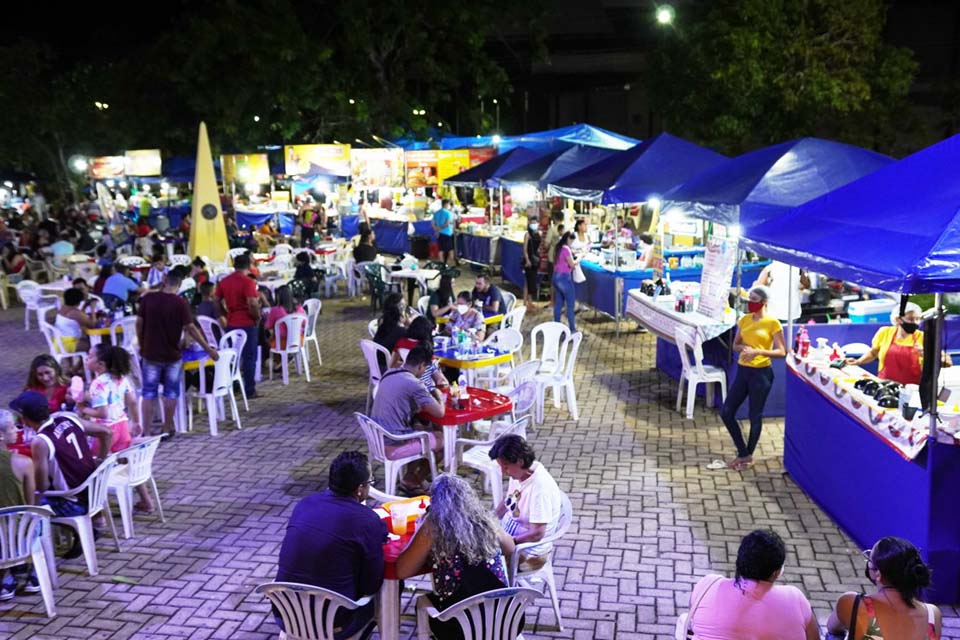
(424, 228)
(350, 226)
(174, 214)
(511, 262)
(473, 248)
(391, 236)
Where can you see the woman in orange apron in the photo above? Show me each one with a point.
(899, 348)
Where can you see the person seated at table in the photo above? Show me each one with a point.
(442, 301)
(105, 272)
(420, 331)
(90, 304)
(266, 229)
(198, 271)
(645, 249)
(13, 262)
(466, 316)
(899, 348)
(751, 606)
(334, 541)
(103, 253)
(71, 321)
(85, 242)
(622, 235)
(893, 609)
(158, 271)
(400, 397)
(531, 506)
(465, 546)
(63, 246)
(305, 273)
(46, 377)
(17, 487)
(391, 327)
(208, 306)
(489, 294)
(365, 251)
(285, 305)
(121, 285)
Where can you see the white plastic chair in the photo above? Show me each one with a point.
(395, 458)
(32, 298)
(554, 337)
(313, 308)
(509, 302)
(358, 278)
(25, 538)
(370, 352)
(695, 372)
(292, 326)
(510, 340)
(372, 327)
(125, 478)
(180, 260)
(222, 388)
(282, 249)
(336, 272)
(236, 251)
(236, 340)
(492, 615)
(561, 380)
(54, 339)
(308, 612)
(123, 333)
(475, 453)
(545, 573)
(423, 305)
(514, 319)
(132, 261)
(210, 327)
(95, 486)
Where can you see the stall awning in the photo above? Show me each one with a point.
(897, 229)
(648, 169)
(486, 173)
(547, 141)
(183, 168)
(560, 165)
(768, 182)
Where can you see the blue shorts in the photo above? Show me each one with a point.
(63, 508)
(156, 373)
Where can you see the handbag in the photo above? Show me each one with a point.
(852, 631)
(684, 627)
(577, 274)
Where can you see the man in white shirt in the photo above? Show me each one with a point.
(784, 283)
(530, 510)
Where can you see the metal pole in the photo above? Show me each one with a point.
(789, 308)
(938, 348)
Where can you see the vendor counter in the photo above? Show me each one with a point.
(873, 473)
(481, 249)
(392, 235)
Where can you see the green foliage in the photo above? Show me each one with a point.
(755, 72)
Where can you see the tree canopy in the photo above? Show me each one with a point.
(755, 72)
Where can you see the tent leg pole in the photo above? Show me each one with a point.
(938, 348)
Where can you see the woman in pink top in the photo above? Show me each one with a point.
(751, 606)
(284, 307)
(563, 281)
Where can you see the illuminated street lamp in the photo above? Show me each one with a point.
(665, 14)
(79, 164)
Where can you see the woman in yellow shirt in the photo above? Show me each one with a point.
(759, 338)
(899, 348)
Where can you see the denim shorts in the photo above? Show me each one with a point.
(156, 373)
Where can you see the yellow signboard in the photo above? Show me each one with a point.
(142, 162)
(106, 167)
(373, 168)
(245, 168)
(452, 162)
(317, 159)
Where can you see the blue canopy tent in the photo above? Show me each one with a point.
(486, 173)
(571, 161)
(647, 169)
(183, 168)
(768, 182)
(897, 229)
(546, 141)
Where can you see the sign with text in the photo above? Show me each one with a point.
(375, 168)
(421, 168)
(245, 168)
(317, 159)
(481, 155)
(719, 261)
(452, 162)
(106, 167)
(142, 162)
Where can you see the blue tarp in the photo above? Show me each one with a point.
(546, 141)
(183, 168)
(486, 173)
(649, 169)
(286, 222)
(563, 164)
(897, 229)
(768, 182)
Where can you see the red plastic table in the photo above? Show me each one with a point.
(388, 611)
(481, 404)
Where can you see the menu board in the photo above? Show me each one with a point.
(481, 155)
(317, 159)
(718, 264)
(142, 162)
(252, 168)
(656, 256)
(375, 168)
(452, 162)
(421, 168)
(106, 167)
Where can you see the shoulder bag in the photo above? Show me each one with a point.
(685, 622)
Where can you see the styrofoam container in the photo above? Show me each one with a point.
(877, 310)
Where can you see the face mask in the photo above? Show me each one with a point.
(754, 307)
(462, 308)
(533, 227)
(909, 327)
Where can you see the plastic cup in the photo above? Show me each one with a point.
(398, 521)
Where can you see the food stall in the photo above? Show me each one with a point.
(874, 468)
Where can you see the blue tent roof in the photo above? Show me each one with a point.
(649, 168)
(531, 172)
(546, 141)
(897, 229)
(767, 182)
(563, 164)
(486, 173)
(184, 168)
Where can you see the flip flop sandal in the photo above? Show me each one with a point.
(717, 465)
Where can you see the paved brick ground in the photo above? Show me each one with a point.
(649, 519)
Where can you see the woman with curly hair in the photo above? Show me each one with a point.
(465, 547)
(46, 376)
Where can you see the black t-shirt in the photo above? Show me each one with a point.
(365, 253)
